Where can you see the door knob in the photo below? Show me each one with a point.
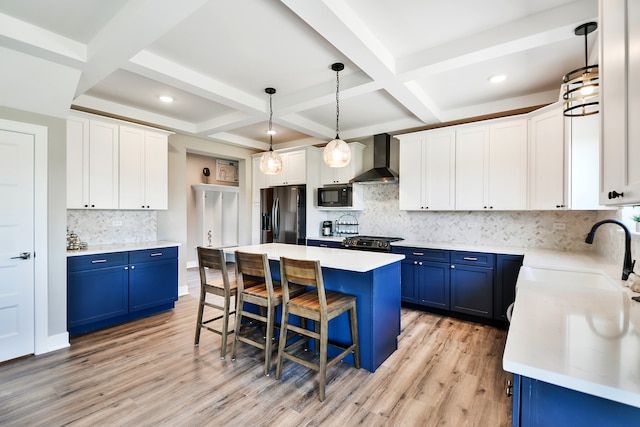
(23, 255)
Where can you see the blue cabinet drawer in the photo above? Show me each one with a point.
(156, 254)
(479, 259)
(92, 262)
(423, 254)
(324, 243)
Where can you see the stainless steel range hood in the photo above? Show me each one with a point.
(381, 172)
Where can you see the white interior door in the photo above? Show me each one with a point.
(16, 244)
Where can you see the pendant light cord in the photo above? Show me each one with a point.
(337, 104)
(270, 123)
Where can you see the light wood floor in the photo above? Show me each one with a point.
(446, 372)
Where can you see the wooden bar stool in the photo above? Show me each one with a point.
(317, 305)
(212, 260)
(255, 286)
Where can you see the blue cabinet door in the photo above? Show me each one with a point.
(408, 285)
(95, 295)
(472, 290)
(507, 269)
(153, 284)
(434, 284)
(540, 404)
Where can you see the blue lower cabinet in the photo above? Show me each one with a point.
(540, 404)
(472, 290)
(112, 288)
(435, 284)
(153, 278)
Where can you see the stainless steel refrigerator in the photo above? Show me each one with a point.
(283, 215)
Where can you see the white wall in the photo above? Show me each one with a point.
(172, 223)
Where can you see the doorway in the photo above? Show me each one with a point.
(23, 239)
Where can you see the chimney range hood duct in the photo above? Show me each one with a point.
(381, 172)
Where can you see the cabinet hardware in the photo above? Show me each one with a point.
(133, 267)
(453, 266)
(126, 268)
(98, 261)
(23, 255)
(614, 195)
(156, 254)
(323, 245)
(509, 389)
(468, 258)
(418, 254)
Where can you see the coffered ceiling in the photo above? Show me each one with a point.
(408, 63)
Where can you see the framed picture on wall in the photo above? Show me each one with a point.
(226, 170)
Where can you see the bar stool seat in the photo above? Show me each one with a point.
(317, 305)
(212, 260)
(255, 286)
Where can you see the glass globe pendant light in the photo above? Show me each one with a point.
(270, 162)
(337, 153)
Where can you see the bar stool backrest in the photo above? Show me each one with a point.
(213, 259)
(254, 265)
(302, 272)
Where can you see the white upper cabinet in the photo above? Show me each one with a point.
(92, 164)
(547, 161)
(143, 169)
(427, 165)
(330, 175)
(508, 141)
(619, 102)
(472, 164)
(294, 169)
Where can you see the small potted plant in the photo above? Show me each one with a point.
(636, 218)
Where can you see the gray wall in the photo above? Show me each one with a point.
(56, 212)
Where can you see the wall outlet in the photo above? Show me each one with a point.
(116, 223)
(559, 226)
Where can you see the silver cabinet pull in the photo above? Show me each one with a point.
(157, 254)
(469, 258)
(418, 254)
(98, 261)
(133, 267)
(509, 390)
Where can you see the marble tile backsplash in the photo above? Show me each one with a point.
(609, 240)
(381, 216)
(96, 227)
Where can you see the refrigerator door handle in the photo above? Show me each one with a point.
(275, 215)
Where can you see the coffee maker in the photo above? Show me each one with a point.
(327, 228)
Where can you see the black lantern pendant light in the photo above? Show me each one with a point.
(270, 162)
(580, 87)
(337, 153)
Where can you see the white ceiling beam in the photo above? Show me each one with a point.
(544, 28)
(133, 28)
(239, 140)
(406, 123)
(304, 125)
(171, 73)
(98, 104)
(227, 122)
(345, 31)
(32, 40)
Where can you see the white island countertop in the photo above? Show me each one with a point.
(574, 325)
(122, 247)
(341, 259)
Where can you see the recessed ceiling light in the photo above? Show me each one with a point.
(271, 132)
(166, 98)
(498, 78)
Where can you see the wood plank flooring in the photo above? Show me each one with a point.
(446, 372)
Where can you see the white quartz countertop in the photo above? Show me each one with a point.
(122, 247)
(351, 260)
(574, 325)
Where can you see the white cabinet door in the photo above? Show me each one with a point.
(471, 154)
(411, 194)
(508, 165)
(547, 161)
(294, 169)
(103, 165)
(77, 163)
(619, 102)
(143, 169)
(329, 176)
(156, 168)
(439, 170)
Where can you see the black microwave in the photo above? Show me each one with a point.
(335, 196)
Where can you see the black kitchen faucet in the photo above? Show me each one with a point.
(627, 267)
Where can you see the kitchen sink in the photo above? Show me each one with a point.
(583, 279)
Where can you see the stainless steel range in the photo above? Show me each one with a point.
(370, 243)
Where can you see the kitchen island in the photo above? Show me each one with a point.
(374, 278)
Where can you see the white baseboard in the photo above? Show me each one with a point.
(183, 290)
(192, 264)
(56, 342)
